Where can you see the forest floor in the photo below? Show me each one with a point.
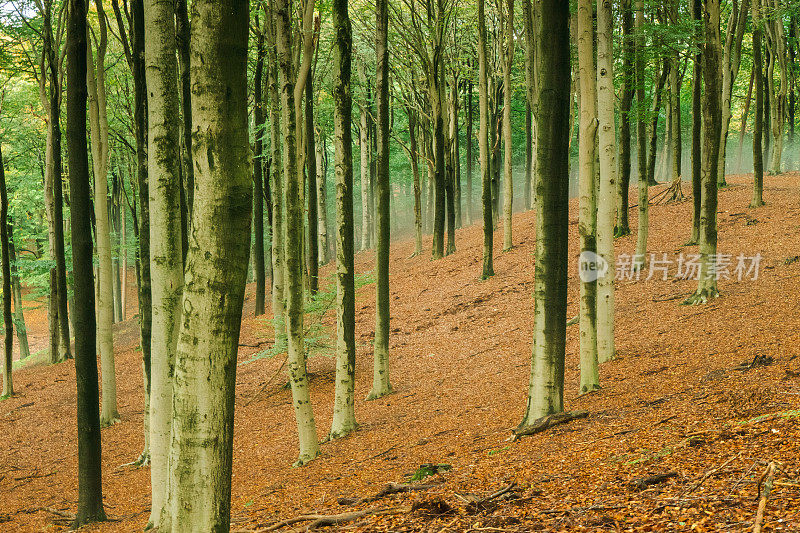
(707, 395)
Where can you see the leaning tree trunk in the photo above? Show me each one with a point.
(90, 488)
(105, 299)
(166, 254)
(344, 419)
(546, 390)
(8, 322)
(483, 145)
(758, 161)
(380, 377)
(712, 126)
(606, 195)
(291, 92)
(201, 447)
(587, 223)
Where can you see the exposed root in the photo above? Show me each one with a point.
(321, 520)
(546, 422)
(702, 296)
(672, 194)
(768, 480)
(110, 421)
(140, 462)
(374, 395)
(387, 490)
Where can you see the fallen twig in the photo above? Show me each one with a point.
(643, 483)
(320, 520)
(387, 490)
(766, 488)
(264, 387)
(708, 475)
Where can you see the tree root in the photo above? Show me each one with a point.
(546, 422)
(140, 462)
(701, 297)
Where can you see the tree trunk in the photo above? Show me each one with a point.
(364, 146)
(776, 43)
(8, 320)
(311, 174)
(291, 93)
(629, 83)
(587, 223)
(644, 199)
(470, 154)
(344, 420)
(414, 158)
(16, 290)
(90, 491)
(380, 377)
(201, 446)
(166, 254)
(507, 55)
(697, 127)
(182, 30)
(606, 195)
(529, 16)
(258, 176)
(712, 128)
(758, 162)
(546, 390)
(483, 145)
(745, 114)
(277, 191)
(674, 105)
(98, 122)
(322, 199)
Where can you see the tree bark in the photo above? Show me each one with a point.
(587, 222)
(507, 56)
(758, 161)
(644, 199)
(90, 492)
(8, 320)
(182, 31)
(712, 129)
(546, 390)
(16, 290)
(622, 226)
(322, 199)
(311, 175)
(201, 447)
(380, 377)
(258, 176)
(483, 145)
(166, 254)
(292, 85)
(344, 420)
(608, 169)
(697, 126)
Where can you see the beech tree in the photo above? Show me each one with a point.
(201, 443)
(8, 324)
(758, 123)
(546, 390)
(587, 223)
(90, 492)
(483, 146)
(344, 421)
(166, 257)
(608, 175)
(712, 125)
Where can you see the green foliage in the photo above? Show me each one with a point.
(429, 469)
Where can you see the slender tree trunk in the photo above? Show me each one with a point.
(98, 121)
(258, 176)
(712, 126)
(674, 105)
(322, 199)
(776, 42)
(201, 447)
(380, 377)
(8, 321)
(644, 199)
(622, 226)
(655, 109)
(529, 16)
(758, 162)
(449, 116)
(414, 158)
(364, 146)
(507, 53)
(745, 114)
(182, 30)
(606, 195)
(470, 154)
(344, 420)
(587, 223)
(697, 127)
(311, 174)
(16, 289)
(292, 86)
(483, 145)
(277, 191)
(546, 390)
(166, 254)
(90, 491)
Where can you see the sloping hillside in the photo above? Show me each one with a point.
(685, 395)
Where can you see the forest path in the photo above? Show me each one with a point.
(459, 363)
